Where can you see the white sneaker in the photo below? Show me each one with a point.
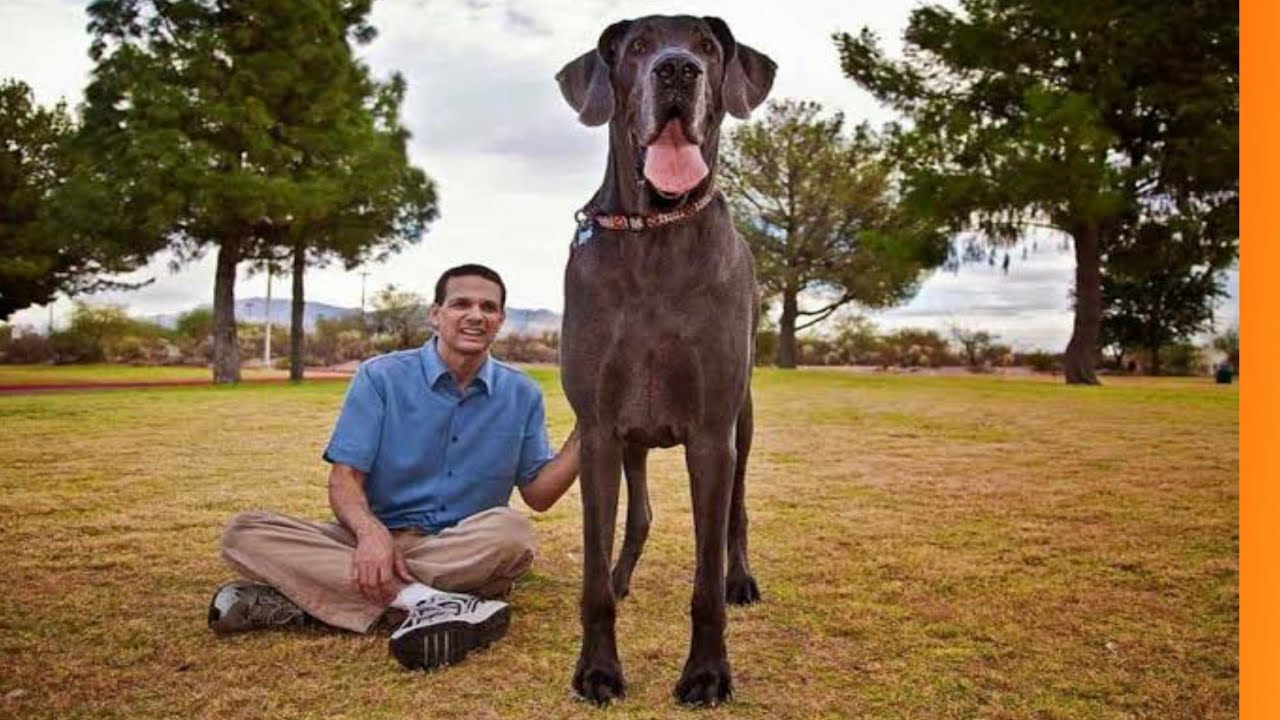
(442, 629)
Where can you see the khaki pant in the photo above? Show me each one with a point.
(310, 562)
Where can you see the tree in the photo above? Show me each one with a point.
(1159, 285)
(978, 346)
(401, 317)
(1228, 343)
(38, 258)
(383, 203)
(1091, 117)
(357, 197)
(818, 209)
(195, 325)
(227, 125)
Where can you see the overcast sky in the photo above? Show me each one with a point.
(512, 164)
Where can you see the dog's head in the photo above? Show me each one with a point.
(668, 82)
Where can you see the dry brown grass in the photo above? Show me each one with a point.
(927, 547)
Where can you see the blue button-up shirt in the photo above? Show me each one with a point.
(433, 453)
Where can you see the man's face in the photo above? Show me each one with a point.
(468, 319)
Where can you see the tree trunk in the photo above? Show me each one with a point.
(1155, 360)
(1078, 360)
(297, 331)
(226, 350)
(787, 330)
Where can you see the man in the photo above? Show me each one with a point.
(424, 456)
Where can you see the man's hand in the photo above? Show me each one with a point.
(555, 477)
(378, 567)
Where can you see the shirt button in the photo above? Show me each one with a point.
(455, 438)
(450, 473)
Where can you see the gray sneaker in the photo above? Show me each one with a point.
(442, 629)
(242, 605)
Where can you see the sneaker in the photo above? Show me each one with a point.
(442, 629)
(239, 606)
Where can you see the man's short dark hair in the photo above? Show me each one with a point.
(469, 270)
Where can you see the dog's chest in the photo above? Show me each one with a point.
(654, 327)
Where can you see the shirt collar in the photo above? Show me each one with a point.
(434, 367)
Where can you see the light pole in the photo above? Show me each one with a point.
(363, 275)
(266, 341)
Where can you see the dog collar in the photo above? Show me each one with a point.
(588, 220)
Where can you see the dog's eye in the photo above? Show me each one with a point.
(639, 46)
(707, 46)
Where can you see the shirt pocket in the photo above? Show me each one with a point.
(505, 458)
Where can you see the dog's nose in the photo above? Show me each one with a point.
(677, 69)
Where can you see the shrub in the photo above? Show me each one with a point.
(1040, 361)
(24, 346)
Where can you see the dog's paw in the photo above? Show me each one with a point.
(741, 591)
(705, 685)
(598, 684)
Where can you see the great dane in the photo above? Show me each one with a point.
(660, 306)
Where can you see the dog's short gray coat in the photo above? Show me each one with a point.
(658, 333)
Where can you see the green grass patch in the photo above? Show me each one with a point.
(105, 373)
(928, 547)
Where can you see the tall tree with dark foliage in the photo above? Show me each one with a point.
(233, 126)
(1095, 117)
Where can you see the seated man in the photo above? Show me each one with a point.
(425, 454)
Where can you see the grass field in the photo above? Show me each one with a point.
(95, 374)
(927, 547)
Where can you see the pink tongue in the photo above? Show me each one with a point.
(672, 163)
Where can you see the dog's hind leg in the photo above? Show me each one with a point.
(740, 587)
(639, 517)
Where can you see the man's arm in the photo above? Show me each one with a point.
(377, 566)
(554, 478)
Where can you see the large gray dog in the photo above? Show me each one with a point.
(660, 304)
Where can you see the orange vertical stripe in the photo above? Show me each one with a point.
(1259, 534)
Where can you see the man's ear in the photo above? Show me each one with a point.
(586, 83)
(433, 318)
(748, 73)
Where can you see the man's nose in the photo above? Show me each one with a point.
(677, 71)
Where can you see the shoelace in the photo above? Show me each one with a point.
(439, 606)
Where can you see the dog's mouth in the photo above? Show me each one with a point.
(673, 163)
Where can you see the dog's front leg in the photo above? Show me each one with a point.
(706, 679)
(598, 677)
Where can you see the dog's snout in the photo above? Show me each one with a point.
(677, 70)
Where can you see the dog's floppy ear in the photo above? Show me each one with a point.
(748, 74)
(586, 83)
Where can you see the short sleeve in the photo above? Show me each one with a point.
(358, 432)
(535, 447)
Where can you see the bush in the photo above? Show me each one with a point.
(1040, 361)
(1182, 358)
(23, 346)
(544, 348)
(912, 347)
(766, 346)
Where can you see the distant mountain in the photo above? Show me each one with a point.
(530, 322)
(254, 310)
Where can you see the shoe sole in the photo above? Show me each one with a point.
(448, 643)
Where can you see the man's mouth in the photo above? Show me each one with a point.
(472, 332)
(673, 163)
